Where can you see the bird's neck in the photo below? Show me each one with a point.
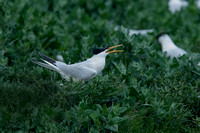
(98, 63)
(167, 43)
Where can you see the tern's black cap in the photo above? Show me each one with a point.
(98, 50)
(161, 34)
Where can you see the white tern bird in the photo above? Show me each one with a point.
(136, 32)
(79, 71)
(59, 57)
(198, 3)
(176, 5)
(169, 46)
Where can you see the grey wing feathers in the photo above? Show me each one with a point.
(84, 73)
(79, 72)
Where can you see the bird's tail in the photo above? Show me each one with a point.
(44, 65)
(52, 61)
(49, 63)
(52, 65)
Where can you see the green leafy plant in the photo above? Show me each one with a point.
(140, 90)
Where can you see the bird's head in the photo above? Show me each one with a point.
(162, 38)
(165, 41)
(106, 51)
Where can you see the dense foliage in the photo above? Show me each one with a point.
(140, 90)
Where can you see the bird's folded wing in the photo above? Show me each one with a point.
(79, 72)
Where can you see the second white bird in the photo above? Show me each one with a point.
(169, 46)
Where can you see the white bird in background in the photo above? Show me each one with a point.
(59, 57)
(79, 71)
(198, 3)
(136, 32)
(176, 5)
(169, 46)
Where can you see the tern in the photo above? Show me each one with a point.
(169, 46)
(136, 32)
(198, 3)
(59, 57)
(176, 5)
(81, 71)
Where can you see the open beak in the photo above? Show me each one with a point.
(115, 51)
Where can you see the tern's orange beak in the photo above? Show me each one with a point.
(115, 50)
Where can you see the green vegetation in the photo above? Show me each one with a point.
(140, 90)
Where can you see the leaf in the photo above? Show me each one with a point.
(133, 92)
(113, 128)
(120, 67)
(120, 110)
(95, 114)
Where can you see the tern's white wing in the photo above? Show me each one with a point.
(77, 71)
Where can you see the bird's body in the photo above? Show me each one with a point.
(136, 32)
(169, 46)
(79, 71)
(175, 52)
(140, 32)
(176, 5)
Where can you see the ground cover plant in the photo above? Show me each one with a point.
(140, 90)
